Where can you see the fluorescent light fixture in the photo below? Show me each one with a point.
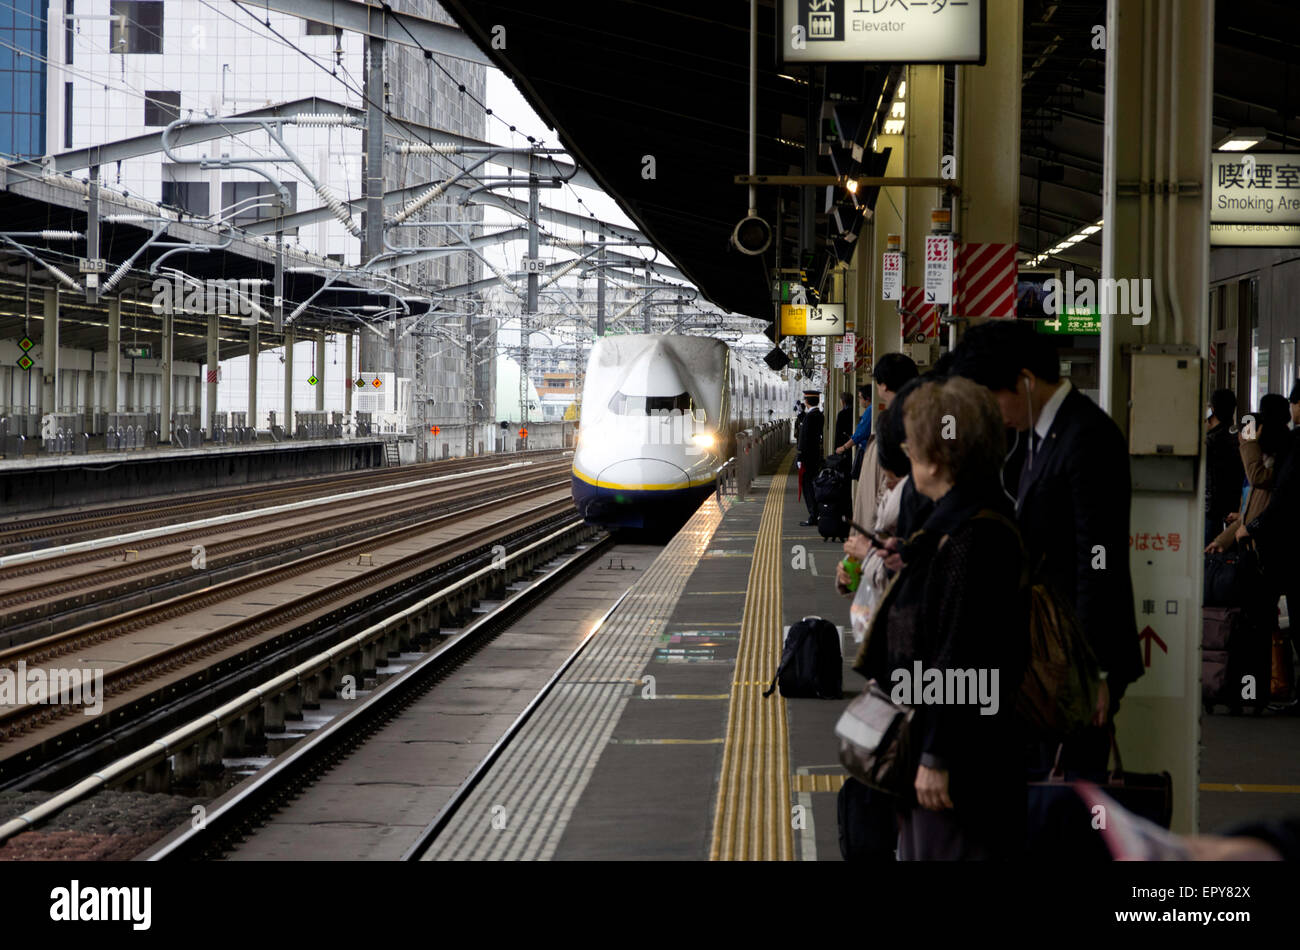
(899, 110)
(893, 127)
(1090, 230)
(1238, 140)
(902, 90)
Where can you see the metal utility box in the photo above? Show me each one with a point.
(1164, 385)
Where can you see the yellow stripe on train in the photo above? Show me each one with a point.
(677, 486)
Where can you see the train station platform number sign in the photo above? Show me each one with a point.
(883, 31)
(938, 269)
(891, 282)
(826, 320)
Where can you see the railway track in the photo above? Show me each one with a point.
(386, 566)
(47, 530)
(83, 585)
(183, 744)
(235, 815)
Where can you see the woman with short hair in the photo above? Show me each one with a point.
(957, 607)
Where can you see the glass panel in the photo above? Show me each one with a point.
(626, 405)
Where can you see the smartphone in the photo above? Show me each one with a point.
(871, 535)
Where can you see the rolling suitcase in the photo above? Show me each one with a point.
(1236, 660)
(834, 498)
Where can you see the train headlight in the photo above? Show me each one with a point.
(704, 440)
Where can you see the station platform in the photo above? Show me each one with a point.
(60, 481)
(657, 744)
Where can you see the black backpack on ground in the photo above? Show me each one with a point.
(833, 494)
(811, 662)
(868, 824)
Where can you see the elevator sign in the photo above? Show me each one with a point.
(889, 31)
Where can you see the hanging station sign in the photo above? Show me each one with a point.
(1255, 199)
(883, 31)
(826, 320)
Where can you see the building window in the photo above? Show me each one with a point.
(69, 31)
(189, 196)
(161, 108)
(139, 27)
(67, 115)
(256, 200)
(316, 28)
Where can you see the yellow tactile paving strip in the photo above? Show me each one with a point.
(752, 819)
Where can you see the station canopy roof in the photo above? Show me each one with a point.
(626, 80)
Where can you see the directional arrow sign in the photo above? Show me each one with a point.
(1145, 637)
(826, 320)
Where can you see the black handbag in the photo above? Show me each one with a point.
(1060, 825)
(1231, 577)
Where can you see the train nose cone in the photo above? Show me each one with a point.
(643, 474)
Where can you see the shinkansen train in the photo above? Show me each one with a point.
(658, 418)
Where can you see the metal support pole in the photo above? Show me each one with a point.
(92, 234)
(531, 310)
(648, 312)
(277, 287)
(373, 143)
(600, 290)
(112, 385)
(214, 361)
(165, 410)
(252, 376)
(287, 421)
(348, 382)
(50, 353)
(320, 371)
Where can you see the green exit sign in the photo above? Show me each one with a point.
(138, 351)
(1085, 323)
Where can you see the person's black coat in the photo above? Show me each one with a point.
(810, 438)
(958, 604)
(1074, 509)
(1277, 528)
(844, 424)
(1223, 474)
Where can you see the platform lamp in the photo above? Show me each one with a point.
(1239, 140)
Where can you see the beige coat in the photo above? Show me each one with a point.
(869, 489)
(1259, 472)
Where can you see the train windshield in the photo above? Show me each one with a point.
(626, 405)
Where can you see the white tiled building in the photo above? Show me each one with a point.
(121, 68)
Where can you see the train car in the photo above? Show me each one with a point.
(658, 419)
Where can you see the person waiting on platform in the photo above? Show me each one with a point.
(1073, 496)
(844, 421)
(809, 458)
(958, 605)
(1223, 472)
(1263, 446)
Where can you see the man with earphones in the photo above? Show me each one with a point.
(1071, 468)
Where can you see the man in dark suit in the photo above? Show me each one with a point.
(810, 452)
(1072, 503)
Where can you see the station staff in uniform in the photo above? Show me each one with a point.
(810, 451)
